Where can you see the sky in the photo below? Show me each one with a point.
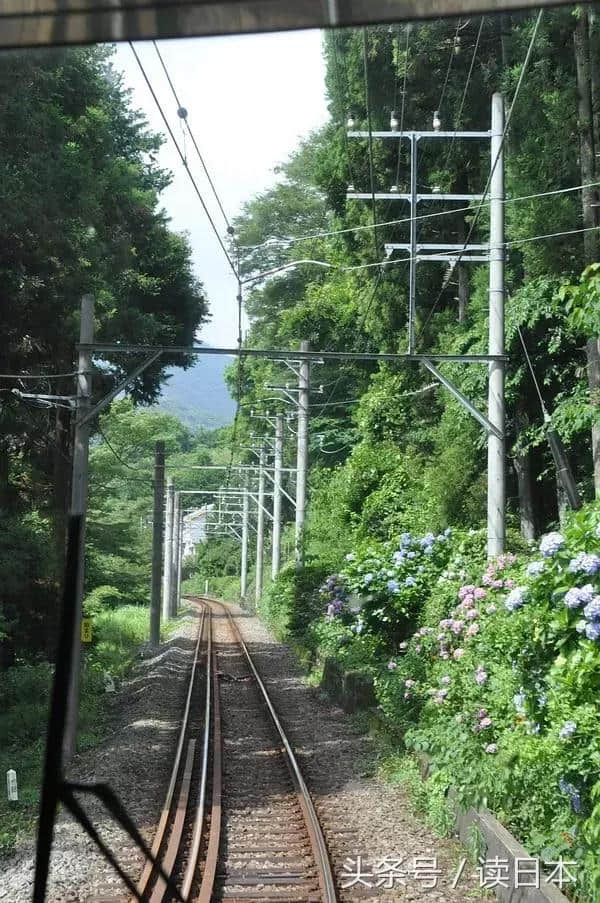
(250, 99)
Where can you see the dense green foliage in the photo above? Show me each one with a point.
(395, 459)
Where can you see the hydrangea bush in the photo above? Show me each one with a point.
(500, 661)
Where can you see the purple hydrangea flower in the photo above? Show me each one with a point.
(516, 597)
(535, 568)
(551, 543)
(472, 613)
(458, 654)
(480, 676)
(485, 722)
(479, 592)
(392, 666)
(592, 630)
(456, 626)
(398, 556)
(585, 563)
(572, 792)
(405, 539)
(592, 609)
(567, 730)
(427, 540)
(579, 595)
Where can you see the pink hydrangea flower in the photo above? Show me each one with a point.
(472, 629)
(446, 680)
(392, 666)
(409, 683)
(457, 626)
(472, 613)
(480, 676)
(418, 648)
(407, 695)
(485, 722)
(458, 654)
(479, 593)
(491, 748)
(497, 584)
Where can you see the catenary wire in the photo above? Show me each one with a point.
(445, 85)
(183, 160)
(191, 134)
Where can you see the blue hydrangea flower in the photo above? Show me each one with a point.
(535, 568)
(572, 792)
(410, 581)
(427, 540)
(393, 586)
(598, 530)
(411, 554)
(551, 543)
(350, 556)
(516, 598)
(368, 578)
(585, 563)
(519, 702)
(592, 609)
(592, 630)
(567, 730)
(398, 556)
(579, 595)
(448, 531)
(405, 539)
(580, 626)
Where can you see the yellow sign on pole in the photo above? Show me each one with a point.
(86, 630)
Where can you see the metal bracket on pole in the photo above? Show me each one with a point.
(453, 388)
(282, 490)
(119, 388)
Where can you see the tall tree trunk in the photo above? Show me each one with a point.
(522, 465)
(463, 292)
(585, 115)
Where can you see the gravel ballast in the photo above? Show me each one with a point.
(361, 815)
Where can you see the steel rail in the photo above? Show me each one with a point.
(192, 863)
(317, 840)
(148, 871)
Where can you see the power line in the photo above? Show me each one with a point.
(191, 134)
(441, 100)
(39, 376)
(493, 167)
(464, 94)
(183, 160)
(422, 216)
(370, 141)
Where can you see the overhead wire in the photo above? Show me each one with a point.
(422, 216)
(370, 140)
(184, 161)
(191, 134)
(449, 67)
(524, 69)
(458, 117)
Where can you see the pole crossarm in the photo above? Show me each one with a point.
(404, 135)
(466, 403)
(281, 489)
(323, 356)
(127, 380)
(258, 505)
(396, 196)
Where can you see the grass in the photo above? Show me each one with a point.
(24, 700)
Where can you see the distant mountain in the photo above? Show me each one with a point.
(199, 396)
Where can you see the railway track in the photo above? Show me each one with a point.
(238, 823)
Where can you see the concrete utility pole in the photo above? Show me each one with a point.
(302, 462)
(79, 492)
(180, 554)
(412, 277)
(496, 446)
(157, 540)
(276, 551)
(260, 528)
(244, 567)
(175, 557)
(168, 550)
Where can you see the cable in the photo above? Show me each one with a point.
(407, 28)
(441, 101)
(533, 376)
(493, 167)
(39, 376)
(191, 134)
(370, 142)
(422, 216)
(183, 160)
(118, 456)
(464, 94)
(343, 97)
